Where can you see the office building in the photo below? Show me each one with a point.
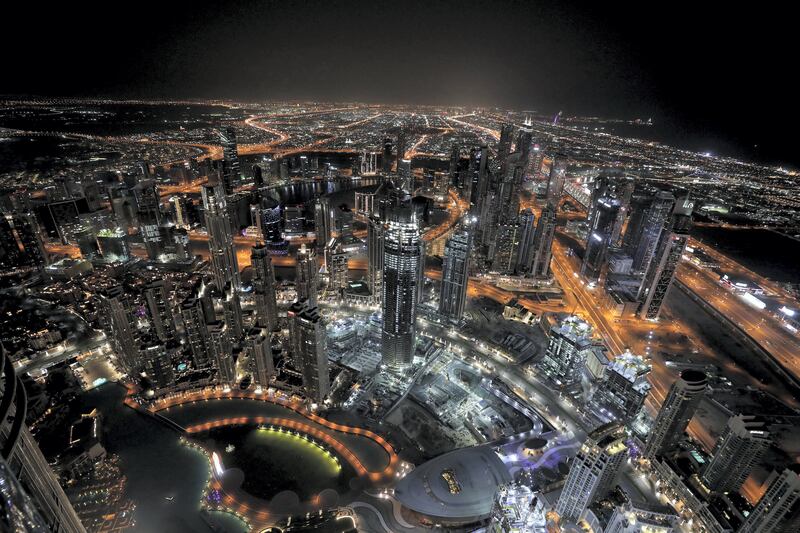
(221, 352)
(624, 388)
(661, 270)
(778, 510)
(117, 321)
(323, 222)
(593, 471)
(194, 328)
(455, 276)
(566, 350)
(675, 413)
(737, 452)
(653, 224)
(401, 264)
(308, 343)
(527, 235)
(306, 272)
(264, 287)
(232, 313)
(336, 260)
(160, 309)
(157, 363)
(224, 265)
(259, 352)
(231, 174)
(599, 238)
(375, 256)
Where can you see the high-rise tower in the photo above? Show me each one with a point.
(306, 275)
(455, 276)
(675, 413)
(778, 511)
(738, 450)
(224, 264)
(264, 287)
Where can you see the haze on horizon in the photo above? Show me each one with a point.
(711, 78)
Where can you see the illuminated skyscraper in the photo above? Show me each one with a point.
(404, 176)
(306, 275)
(221, 352)
(308, 343)
(25, 462)
(194, 325)
(117, 318)
(323, 222)
(675, 413)
(527, 252)
(661, 270)
(599, 238)
(336, 261)
(157, 362)
(401, 264)
(148, 214)
(566, 350)
(738, 451)
(375, 256)
(224, 265)
(624, 389)
(160, 309)
(264, 287)
(556, 179)
(653, 224)
(593, 471)
(231, 173)
(401, 148)
(778, 511)
(543, 243)
(455, 276)
(232, 312)
(259, 351)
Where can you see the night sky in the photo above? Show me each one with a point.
(714, 79)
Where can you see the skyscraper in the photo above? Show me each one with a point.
(221, 352)
(401, 264)
(148, 215)
(738, 450)
(593, 471)
(778, 510)
(264, 287)
(232, 312)
(323, 222)
(661, 271)
(160, 309)
(405, 179)
(157, 361)
(194, 326)
(569, 342)
(556, 179)
(653, 224)
(455, 276)
(599, 238)
(675, 413)
(117, 320)
(231, 173)
(224, 265)
(543, 243)
(259, 352)
(401, 148)
(26, 463)
(624, 389)
(306, 275)
(527, 234)
(309, 345)
(386, 157)
(375, 256)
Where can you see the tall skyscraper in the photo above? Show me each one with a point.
(640, 206)
(309, 344)
(232, 312)
(455, 276)
(675, 413)
(738, 451)
(148, 215)
(119, 328)
(401, 148)
(160, 309)
(527, 234)
(386, 157)
(566, 350)
(633, 517)
(221, 352)
(401, 264)
(661, 271)
(624, 389)
(264, 287)
(194, 326)
(543, 243)
(478, 174)
(157, 361)
(224, 265)
(599, 238)
(653, 224)
(306, 275)
(405, 179)
(259, 352)
(336, 260)
(231, 173)
(778, 510)
(504, 143)
(323, 222)
(26, 463)
(593, 471)
(556, 179)
(464, 185)
(375, 256)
